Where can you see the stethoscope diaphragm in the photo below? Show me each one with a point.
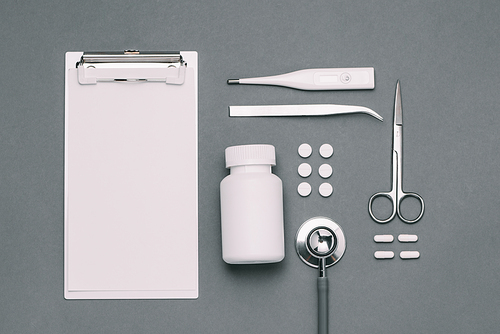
(320, 238)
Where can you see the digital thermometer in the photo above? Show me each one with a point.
(318, 79)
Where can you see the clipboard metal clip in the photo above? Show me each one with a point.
(131, 66)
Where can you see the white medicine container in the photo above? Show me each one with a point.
(251, 207)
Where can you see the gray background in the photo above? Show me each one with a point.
(444, 52)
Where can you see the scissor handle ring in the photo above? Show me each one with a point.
(417, 196)
(390, 196)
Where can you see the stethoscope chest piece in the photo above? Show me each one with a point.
(320, 238)
(320, 243)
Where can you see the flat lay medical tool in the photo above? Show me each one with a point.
(128, 208)
(251, 200)
(396, 195)
(300, 110)
(317, 79)
(320, 243)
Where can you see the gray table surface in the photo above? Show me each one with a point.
(444, 52)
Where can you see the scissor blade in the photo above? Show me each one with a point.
(398, 109)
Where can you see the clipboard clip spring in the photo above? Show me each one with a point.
(131, 66)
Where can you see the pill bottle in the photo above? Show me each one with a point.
(251, 207)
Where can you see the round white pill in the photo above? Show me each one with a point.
(325, 171)
(304, 170)
(325, 189)
(305, 150)
(384, 255)
(383, 238)
(304, 189)
(326, 151)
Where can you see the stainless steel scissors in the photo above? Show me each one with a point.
(396, 195)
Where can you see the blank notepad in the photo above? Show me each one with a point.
(131, 192)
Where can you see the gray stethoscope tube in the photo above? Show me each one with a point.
(320, 243)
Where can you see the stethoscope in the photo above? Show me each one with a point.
(320, 243)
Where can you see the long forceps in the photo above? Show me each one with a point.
(396, 195)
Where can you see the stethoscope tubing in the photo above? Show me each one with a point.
(323, 305)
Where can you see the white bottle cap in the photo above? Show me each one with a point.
(250, 155)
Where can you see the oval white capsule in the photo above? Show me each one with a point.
(383, 238)
(409, 255)
(407, 238)
(384, 255)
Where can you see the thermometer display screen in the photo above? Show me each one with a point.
(328, 78)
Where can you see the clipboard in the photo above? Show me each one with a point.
(131, 175)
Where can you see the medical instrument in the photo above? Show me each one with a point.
(304, 189)
(300, 110)
(383, 238)
(383, 255)
(326, 151)
(320, 243)
(408, 255)
(251, 207)
(305, 150)
(396, 195)
(407, 238)
(131, 175)
(317, 79)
